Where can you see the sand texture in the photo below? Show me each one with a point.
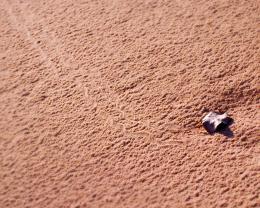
(101, 103)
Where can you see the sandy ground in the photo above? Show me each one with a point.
(101, 103)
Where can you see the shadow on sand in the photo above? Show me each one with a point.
(225, 130)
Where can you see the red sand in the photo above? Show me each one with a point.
(101, 103)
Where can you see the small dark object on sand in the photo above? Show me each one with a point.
(214, 122)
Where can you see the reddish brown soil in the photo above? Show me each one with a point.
(101, 103)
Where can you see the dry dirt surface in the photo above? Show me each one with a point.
(101, 103)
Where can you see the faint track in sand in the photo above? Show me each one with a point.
(95, 79)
